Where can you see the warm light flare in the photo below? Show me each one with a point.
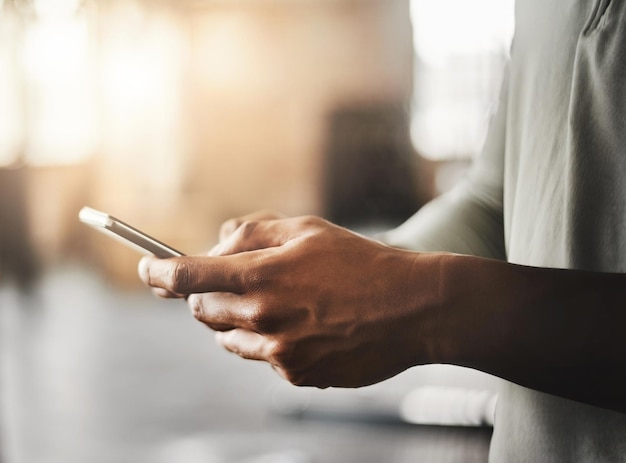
(52, 9)
(228, 52)
(11, 116)
(55, 61)
(55, 51)
(139, 74)
(142, 69)
(448, 28)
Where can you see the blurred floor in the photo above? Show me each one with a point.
(94, 374)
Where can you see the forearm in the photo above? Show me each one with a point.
(464, 221)
(557, 331)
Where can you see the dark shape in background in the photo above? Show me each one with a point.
(369, 177)
(18, 260)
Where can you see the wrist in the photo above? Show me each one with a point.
(466, 325)
(429, 329)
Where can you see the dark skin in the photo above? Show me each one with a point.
(327, 307)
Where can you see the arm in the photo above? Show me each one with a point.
(468, 219)
(556, 331)
(326, 307)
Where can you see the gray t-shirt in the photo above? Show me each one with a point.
(549, 190)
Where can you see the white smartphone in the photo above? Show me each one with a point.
(127, 234)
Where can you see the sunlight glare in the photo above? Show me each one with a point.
(142, 71)
(49, 9)
(11, 116)
(55, 60)
(461, 48)
(473, 27)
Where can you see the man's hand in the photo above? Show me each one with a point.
(324, 306)
(327, 307)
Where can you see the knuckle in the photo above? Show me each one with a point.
(255, 279)
(310, 221)
(294, 366)
(247, 228)
(179, 277)
(196, 305)
(282, 353)
(282, 361)
(258, 275)
(228, 228)
(259, 317)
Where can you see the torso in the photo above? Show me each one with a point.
(564, 197)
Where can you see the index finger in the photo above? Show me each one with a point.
(196, 274)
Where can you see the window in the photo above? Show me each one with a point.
(80, 77)
(461, 47)
(47, 114)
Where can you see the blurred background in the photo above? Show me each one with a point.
(175, 116)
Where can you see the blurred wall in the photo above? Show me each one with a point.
(211, 109)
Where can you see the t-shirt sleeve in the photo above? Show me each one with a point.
(469, 218)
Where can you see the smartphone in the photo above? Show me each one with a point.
(127, 234)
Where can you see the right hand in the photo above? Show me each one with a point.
(323, 305)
